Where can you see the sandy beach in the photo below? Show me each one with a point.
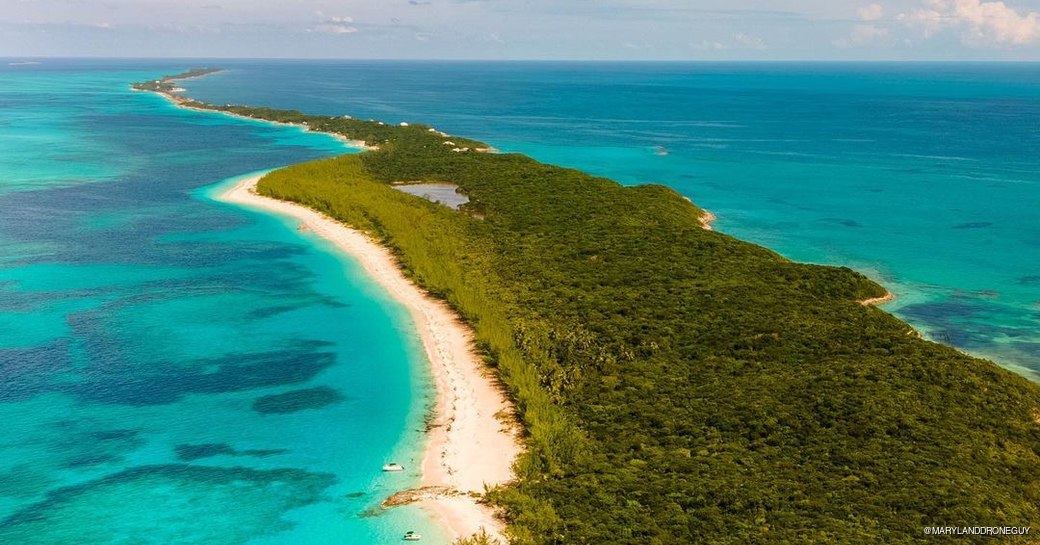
(706, 219)
(875, 301)
(186, 103)
(471, 445)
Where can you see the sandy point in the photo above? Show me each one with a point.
(874, 301)
(706, 219)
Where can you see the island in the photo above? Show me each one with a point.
(675, 384)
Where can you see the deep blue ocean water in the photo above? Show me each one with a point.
(924, 176)
(174, 369)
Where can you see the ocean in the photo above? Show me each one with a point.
(176, 369)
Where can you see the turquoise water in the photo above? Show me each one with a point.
(925, 176)
(175, 369)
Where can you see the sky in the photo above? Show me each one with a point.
(525, 29)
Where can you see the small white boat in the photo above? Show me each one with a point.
(411, 536)
(393, 467)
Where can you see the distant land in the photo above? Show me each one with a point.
(167, 85)
(675, 384)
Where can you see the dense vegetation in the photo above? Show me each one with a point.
(168, 84)
(679, 385)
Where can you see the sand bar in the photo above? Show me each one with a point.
(470, 444)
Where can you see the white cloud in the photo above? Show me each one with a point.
(929, 19)
(336, 24)
(995, 21)
(326, 28)
(868, 31)
(981, 23)
(871, 12)
(863, 34)
(749, 41)
(740, 40)
(705, 45)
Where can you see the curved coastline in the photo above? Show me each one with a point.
(469, 402)
(165, 88)
(467, 425)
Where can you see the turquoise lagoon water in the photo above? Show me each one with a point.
(175, 369)
(925, 176)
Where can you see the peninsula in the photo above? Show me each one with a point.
(167, 85)
(677, 385)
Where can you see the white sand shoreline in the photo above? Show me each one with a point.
(469, 446)
(878, 301)
(706, 220)
(185, 103)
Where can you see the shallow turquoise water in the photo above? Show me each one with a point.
(175, 369)
(925, 176)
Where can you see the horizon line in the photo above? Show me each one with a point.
(529, 60)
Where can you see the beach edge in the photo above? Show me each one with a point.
(469, 403)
